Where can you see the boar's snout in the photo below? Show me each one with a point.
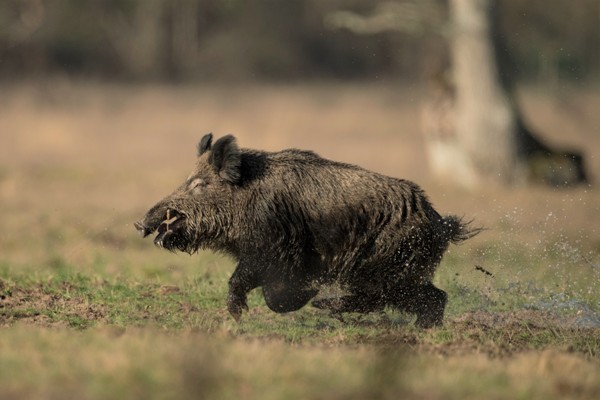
(152, 219)
(141, 228)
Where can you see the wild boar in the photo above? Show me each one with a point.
(295, 222)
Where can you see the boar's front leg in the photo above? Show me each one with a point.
(244, 279)
(284, 295)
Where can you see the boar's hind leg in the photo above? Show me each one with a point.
(426, 301)
(359, 302)
(283, 297)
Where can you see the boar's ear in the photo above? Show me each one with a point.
(204, 144)
(226, 158)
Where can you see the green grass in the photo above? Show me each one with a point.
(159, 329)
(81, 300)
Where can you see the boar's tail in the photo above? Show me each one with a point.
(456, 230)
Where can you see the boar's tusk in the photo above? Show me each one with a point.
(168, 221)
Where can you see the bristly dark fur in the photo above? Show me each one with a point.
(295, 221)
(458, 230)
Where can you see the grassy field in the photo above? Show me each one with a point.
(89, 310)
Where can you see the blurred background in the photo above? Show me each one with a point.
(493, 107)
(102, 104)
(269, 40)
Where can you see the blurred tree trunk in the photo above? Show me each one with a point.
(486, 123)
(474, 131)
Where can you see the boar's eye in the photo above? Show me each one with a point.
(198, 182)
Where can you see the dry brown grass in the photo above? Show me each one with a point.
(87, 159)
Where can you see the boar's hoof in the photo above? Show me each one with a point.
(236, 305)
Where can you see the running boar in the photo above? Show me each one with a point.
(295, 222)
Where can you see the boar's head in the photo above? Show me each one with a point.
(198, 213)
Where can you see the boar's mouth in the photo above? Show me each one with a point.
(170, 232)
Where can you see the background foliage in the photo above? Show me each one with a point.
(269, 39)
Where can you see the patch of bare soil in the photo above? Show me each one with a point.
(532, 318)
(506, 333)
(494, 334)
(38, 306)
